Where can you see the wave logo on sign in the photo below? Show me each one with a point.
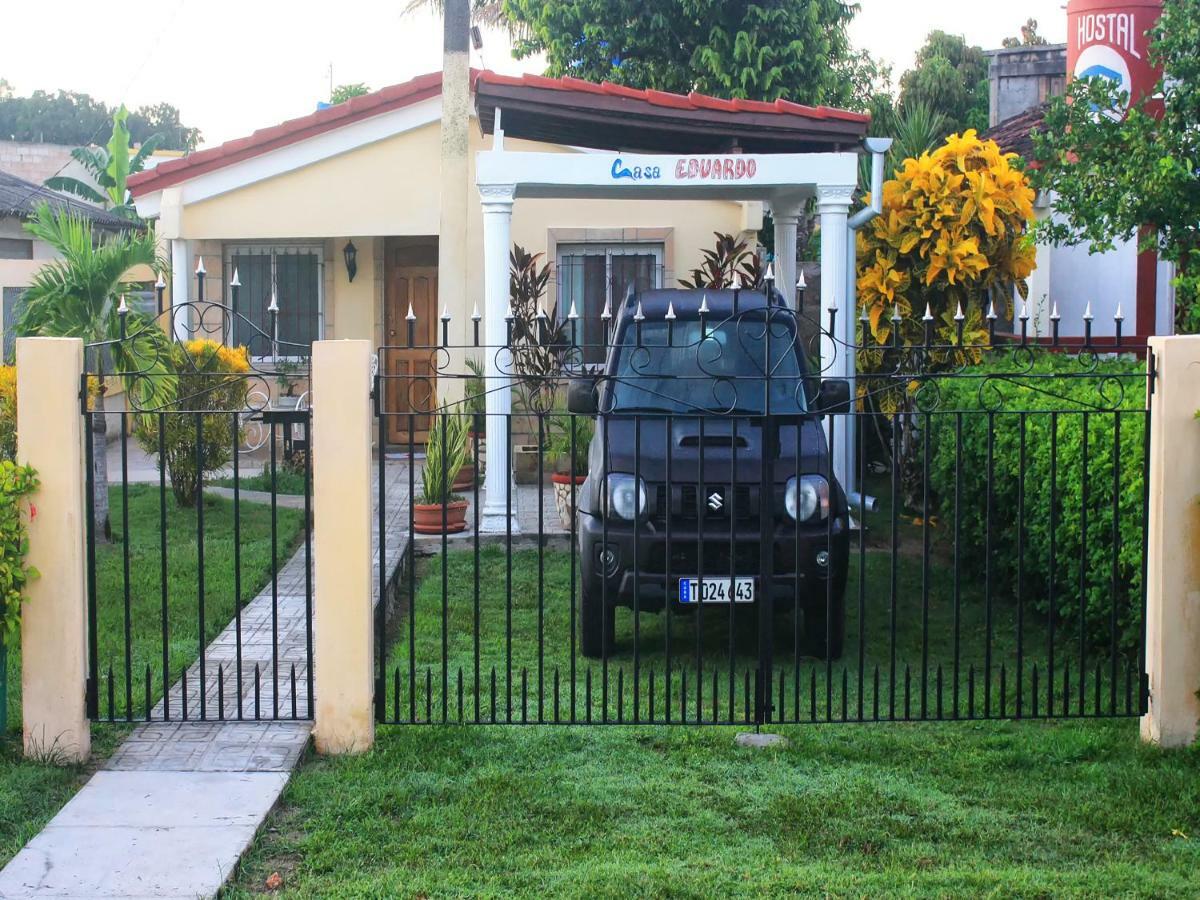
(637, 173)
(1102, 61)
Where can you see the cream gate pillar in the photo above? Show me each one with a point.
(344, 648)
(1173, 567)
(54, 653)
(497, 200)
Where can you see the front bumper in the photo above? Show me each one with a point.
(620, 561)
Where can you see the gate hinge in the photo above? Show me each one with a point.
(1151, 368)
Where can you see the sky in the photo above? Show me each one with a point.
(232, 66)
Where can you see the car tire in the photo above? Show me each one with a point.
(596, 625)
(818, 631)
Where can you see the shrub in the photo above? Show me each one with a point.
(211, 384)
(1111, 385)
(16, 484)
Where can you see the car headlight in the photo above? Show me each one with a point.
(626, 496)
(807, 498)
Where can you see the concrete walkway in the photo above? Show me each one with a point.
(179, 802)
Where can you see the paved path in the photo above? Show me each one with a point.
(179, 802)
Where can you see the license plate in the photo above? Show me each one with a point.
(716, 590)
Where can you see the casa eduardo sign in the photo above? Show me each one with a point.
(688, 168)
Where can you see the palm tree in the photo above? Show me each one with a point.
(109, 168)
(482, 12)
(78, 295)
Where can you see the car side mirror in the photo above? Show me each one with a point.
(833, 397)
(581, 396)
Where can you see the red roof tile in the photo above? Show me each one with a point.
(400, 95)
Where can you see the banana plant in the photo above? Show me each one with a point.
(110, 168)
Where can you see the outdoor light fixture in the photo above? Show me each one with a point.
(350, 253)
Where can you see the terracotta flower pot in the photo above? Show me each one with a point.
(465, 479)
(562, 496)
(427, 519)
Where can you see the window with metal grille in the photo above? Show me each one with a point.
(293, 274)
(595, 275)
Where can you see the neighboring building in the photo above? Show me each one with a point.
(282, 206)
(20, 255)
(1022, 78)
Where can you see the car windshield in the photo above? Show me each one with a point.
(722, 373)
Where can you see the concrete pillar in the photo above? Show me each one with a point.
(181, 281)
(54, 652)
(344, 649)
(786, 217)
(1173, 575)
(837, 353)
(497, 225)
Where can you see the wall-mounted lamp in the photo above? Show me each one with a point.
(350, 254)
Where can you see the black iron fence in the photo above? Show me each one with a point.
(683, 538)
(198, 519)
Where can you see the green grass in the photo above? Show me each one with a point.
(285, 482)
(727, 642)
(31, 792)
(987, 809)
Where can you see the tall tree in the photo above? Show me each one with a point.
(1029, 36)
(109, 168)
(78, 295)
(1116, 176)
(69, 117)
(951, 78)
(762, 51)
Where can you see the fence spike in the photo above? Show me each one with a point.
(162, 282)
(958, 313)
(1054, 316)
(273, 309)
(411, 316)
(573, 313)
(200, 270)
(235, 281)
(475, 316)
(446, 313)
(606, 314)
(991, 313)
(703, 304)
(801, 284)
(1087, 312)
(670, 315)
(928, 317)
(1118, 315)
(638, 315)
(769, 277)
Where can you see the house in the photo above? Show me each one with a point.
(20, 254)
(340, 214)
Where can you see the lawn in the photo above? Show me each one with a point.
(284, 482)
(951, 809)
(30, 793)
(896, 655)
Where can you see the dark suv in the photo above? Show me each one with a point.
(670, 512)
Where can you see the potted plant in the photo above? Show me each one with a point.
(570, 441)
(286, 377)
(439, 510)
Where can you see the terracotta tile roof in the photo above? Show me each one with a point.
(292, 131)
(423, 87)
(673, 101)
(1015, 135)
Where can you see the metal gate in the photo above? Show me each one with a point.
(198, 515)
(676, 542)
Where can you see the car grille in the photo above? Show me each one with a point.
(716, 502)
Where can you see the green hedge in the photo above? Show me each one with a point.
(987, 401)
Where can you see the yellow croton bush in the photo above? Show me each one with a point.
(954, 229)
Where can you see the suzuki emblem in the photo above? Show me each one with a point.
(715, 501)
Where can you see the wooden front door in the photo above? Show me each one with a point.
(412, 383)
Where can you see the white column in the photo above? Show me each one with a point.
(181, 282)
(786, 217)
(497, 223)
(837, 356)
